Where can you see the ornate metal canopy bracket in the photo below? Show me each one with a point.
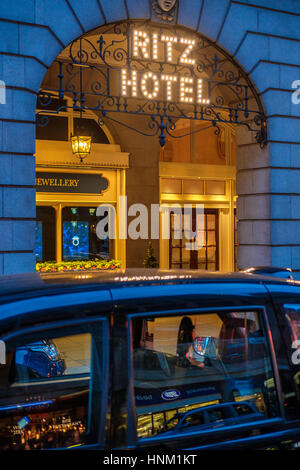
(158, 72)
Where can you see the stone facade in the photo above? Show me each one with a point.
(264, 38)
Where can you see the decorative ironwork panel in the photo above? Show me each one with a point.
(160, 72)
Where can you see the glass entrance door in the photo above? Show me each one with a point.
(207, 257)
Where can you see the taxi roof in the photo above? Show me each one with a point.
(33, 284)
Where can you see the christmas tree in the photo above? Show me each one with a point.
(150, 261)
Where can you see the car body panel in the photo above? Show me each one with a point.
(33, 301)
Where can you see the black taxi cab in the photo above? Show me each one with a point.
(149, 360)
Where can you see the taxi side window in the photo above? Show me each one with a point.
(56, 357)
(197, 361)
(49, 387)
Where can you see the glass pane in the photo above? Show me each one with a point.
(44, 104)
(80, 239)
(145, 425)
(293, 316)
(211, 222)
(202, 255)
(39, 240)
(56, 129)
(178, 149)
(235, 240)
(191, 248)
(197, 368)
(211, 266)
(175, 255)
(193, 187)
(186, 255)
(206, 149)
(75, 240)
(176, 234)
(45, 234)
(170, 186)
(211, 237)
(201, 238)
(291, 332)
(90, 127)
(211, 254)
(176, 226)
(158, 422)
(176, 243)
(233, 150)
(215, 187)
(186, 265)
(76, 353)
(48, 388)
(53, 357)
(201, 265)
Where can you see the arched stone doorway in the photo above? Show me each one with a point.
(253, 183)
(100, 72)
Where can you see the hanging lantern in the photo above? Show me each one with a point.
(81, 146)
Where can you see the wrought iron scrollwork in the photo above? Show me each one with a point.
(229, 95)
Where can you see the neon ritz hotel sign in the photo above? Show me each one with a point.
(149, 84)
(161, 74)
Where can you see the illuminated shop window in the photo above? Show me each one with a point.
(45, 234)
(79, 238)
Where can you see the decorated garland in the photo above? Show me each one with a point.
(86, 265)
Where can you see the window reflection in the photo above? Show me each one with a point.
(47, 392)
(206, 257)
(45, 235)
(80, 239)
(201, 371)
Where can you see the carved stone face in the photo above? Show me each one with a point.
(166, 5)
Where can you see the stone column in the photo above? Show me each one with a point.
(253, 203)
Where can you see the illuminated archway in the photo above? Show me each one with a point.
(161, 74)
(146, 78)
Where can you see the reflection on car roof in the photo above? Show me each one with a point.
(35, 282)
